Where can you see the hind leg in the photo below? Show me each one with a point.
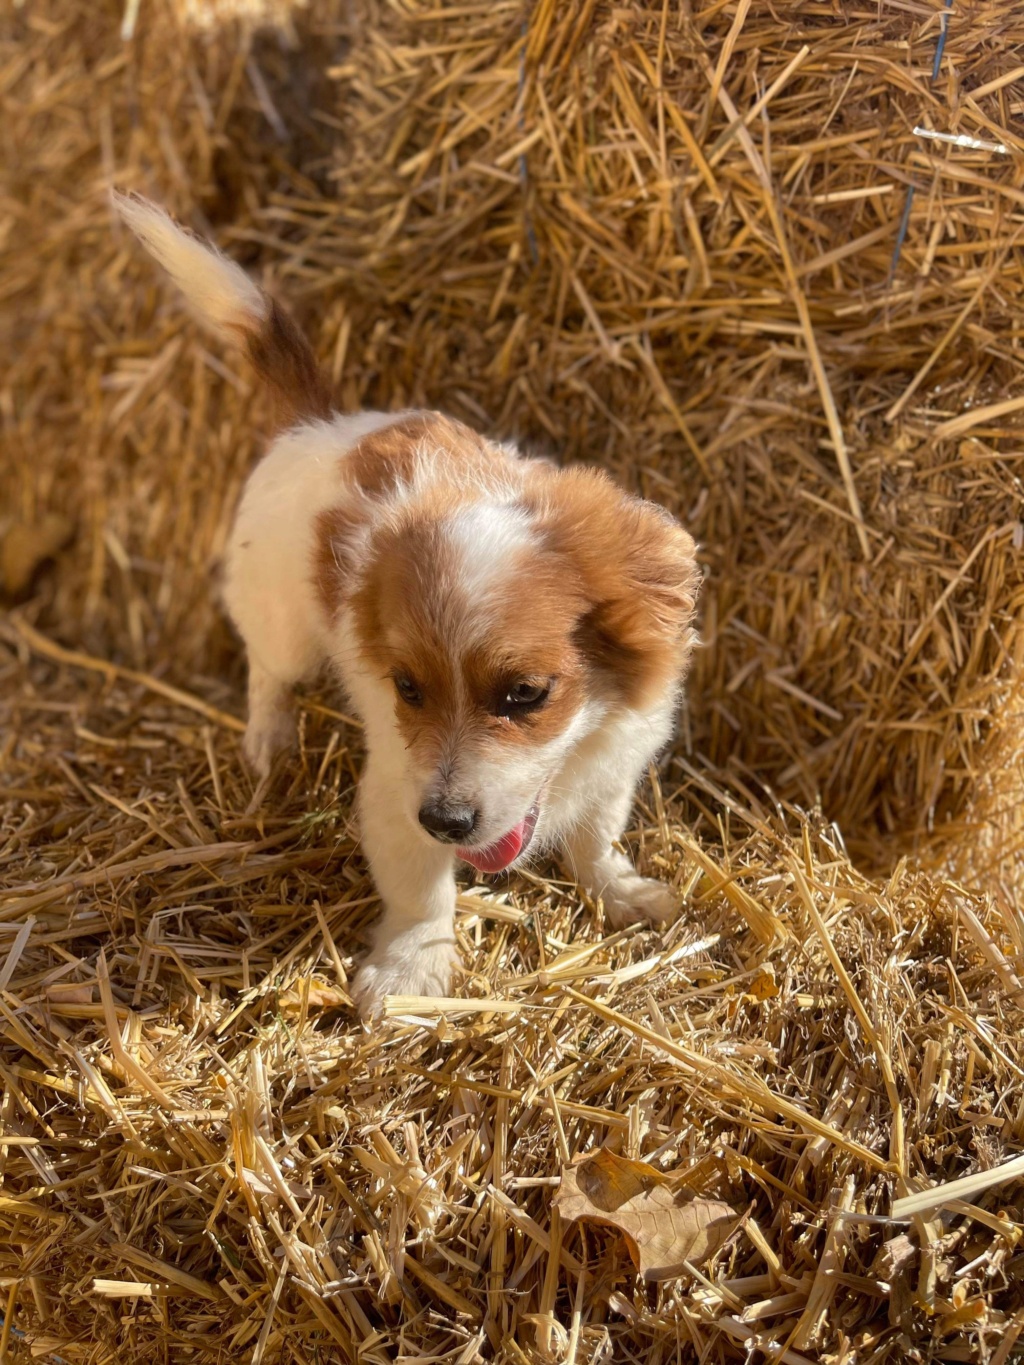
(271, 725)
(269, 605)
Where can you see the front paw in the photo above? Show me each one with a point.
(629, 898)
(397, 968)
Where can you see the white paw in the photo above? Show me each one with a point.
(629, 899)
(266, 737)
(396, 968)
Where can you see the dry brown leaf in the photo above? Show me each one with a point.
(27, 547)
(664, 1222)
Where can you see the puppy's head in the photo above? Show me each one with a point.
(498, 630)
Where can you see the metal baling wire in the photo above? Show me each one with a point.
(940, 47)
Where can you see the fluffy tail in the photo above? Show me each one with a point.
(229, 302)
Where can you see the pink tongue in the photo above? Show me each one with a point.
(497, 856)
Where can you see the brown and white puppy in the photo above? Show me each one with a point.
(513, 636)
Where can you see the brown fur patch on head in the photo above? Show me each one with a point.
(385, 459)
(637, 569)
(376, 468)
(417, 617)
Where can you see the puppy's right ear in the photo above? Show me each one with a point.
(636, 569)
(224, 297)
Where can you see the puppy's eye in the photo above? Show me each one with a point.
(524, 696)
(407, 689)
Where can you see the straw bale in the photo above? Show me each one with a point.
(664, 239)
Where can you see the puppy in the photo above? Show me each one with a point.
(513, 636)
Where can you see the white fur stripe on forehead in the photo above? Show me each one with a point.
(487, 538)
(220, 292)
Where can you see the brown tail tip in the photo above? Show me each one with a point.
(285, 361)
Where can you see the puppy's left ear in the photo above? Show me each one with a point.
(636, 569)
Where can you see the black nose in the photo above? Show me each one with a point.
(447, 823)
